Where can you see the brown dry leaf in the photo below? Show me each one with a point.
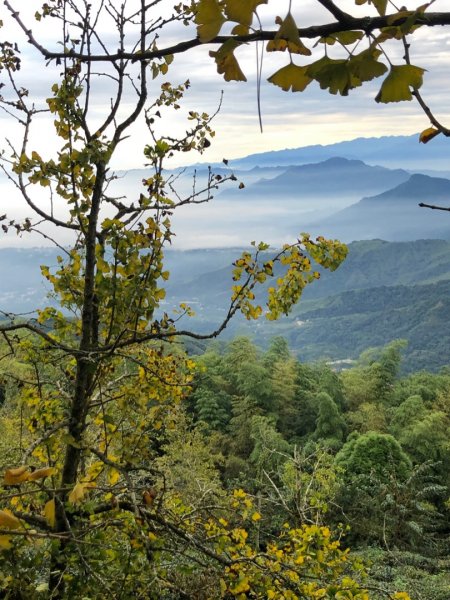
(41, 473)
(428, 134)
(16, 476)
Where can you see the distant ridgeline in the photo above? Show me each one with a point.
(383, 291)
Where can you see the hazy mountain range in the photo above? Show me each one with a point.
(391, 151)
(395, 286)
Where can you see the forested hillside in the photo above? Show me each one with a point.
(144, 457)
(307, 451)
(365, 448)
(383, 291)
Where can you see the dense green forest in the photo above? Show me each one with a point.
(134, 469)
(365, 449)
(363, 453)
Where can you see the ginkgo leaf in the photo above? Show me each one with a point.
(399, 16)
(344, 37)
(287, 38)
(16, 476)
(79, 491)
(380, 5)
(49, 512)
(291, 77)
(428, 134)
(8, 520)
(365, 65)
(240, 30)
(227, 63)
(242, 12)
(209, 19)
(397, 85)
(333, 75)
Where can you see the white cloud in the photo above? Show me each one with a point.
(290, 120)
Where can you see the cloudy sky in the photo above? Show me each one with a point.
(289, 119)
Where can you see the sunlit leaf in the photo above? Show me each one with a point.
(41, 473)
(5, 542)
(291, 77)
(397, 85)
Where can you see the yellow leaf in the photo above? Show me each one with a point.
(291, 77)
(209, 20)
(380, 5)
(41, 473)
(227, 63)
(16, 476)
(113, 476)
(287, 38)
(397, 85)
(242, 12)
(49, 512)
(5, 542)
(79, 491)
(240, 30)
(8, 520)
(428, 134)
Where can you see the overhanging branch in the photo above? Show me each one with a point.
(434, 207)
(346, 23)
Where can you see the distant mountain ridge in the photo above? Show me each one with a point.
(393, 215)
(335, 176)
(382, 291)
(390, 151)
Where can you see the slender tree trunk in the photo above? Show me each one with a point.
(86, 369)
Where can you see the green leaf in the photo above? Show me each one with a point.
(333, 75)
(343, 37)
(291, 77)
(365, 65)
(397, 85)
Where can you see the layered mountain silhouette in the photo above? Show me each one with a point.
(336, 176)
(394, 215)
(392, 151)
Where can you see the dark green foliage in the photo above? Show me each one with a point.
(330, 426)
(365, 447)
(422, 577)
(374, 454)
